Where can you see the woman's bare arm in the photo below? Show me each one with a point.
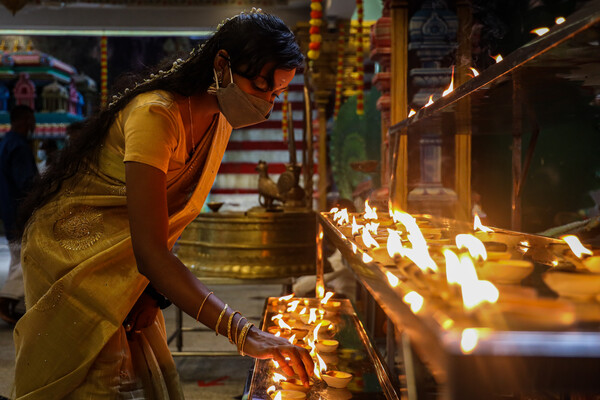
(148, 219)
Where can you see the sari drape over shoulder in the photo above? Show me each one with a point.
(81, 278)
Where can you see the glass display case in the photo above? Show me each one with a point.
(522, 135)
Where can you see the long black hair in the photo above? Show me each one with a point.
(251, 40)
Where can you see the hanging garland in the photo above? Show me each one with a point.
(360, 96)
(339, 79)
(284, 117)
(103, 71)
(316, 13)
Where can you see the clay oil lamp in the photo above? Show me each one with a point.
(337, 379)
(327, 345)
(294, 384)
(505, 271)
(299, 333)
(287, 395)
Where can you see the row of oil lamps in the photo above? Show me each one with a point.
(466, 275)
(312, 324)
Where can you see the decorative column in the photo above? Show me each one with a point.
(399, 103)
(462, 138)
(381, 53)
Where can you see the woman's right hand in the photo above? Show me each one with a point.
(292, 359)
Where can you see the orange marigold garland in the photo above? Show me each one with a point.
(316, 15)
(360, 96)
(284, 116)
(339, 79)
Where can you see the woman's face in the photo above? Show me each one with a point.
(260, 87)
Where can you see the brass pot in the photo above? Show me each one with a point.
(251, 245)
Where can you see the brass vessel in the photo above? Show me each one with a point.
(250, 245)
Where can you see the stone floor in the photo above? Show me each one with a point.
(202, 377)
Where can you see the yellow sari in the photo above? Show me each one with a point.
(81, 278)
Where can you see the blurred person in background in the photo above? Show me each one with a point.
(18, 171)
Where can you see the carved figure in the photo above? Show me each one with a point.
(267, 188)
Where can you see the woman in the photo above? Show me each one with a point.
(97, 247)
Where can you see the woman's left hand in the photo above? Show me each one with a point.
(142, 315)
(260, 344)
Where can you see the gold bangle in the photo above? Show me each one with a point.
(229, 325)
(237, 328)
(242, 338)
(202, 305)
(220, 318)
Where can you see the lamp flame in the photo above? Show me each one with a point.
(327, 297)
(366, 258)
(334, 210)
(283, 325)
(341, 217)
(292, 339)
(313, 316)
(411, 113)
(368, 239)
(419, 253)
(498, 58)
(475, 246)
(320, 366)
(393, 279)
(355, 226)
(469, 339)
(477, 225)
(451, 87)
(540, 31)
(316, 333)
(286, 298)
(320, 291)
(415, 300)
(370, 213)
(474, 71)
(278, 316)
(394, 243)
(452, 267)
(576, 247)
(278, 378)
(372, 227)
(278, 396)
(271, 389)
(293, 305)
(560, 20)
(354, 248)
(429, 102)
(474, 291)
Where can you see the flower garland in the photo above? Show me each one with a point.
(284, 116)
(360, 68)
(339, 79)
(316, 13)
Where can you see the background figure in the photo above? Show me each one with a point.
(17, 172)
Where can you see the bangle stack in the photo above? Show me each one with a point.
(242, 338)
(219, 320)
(237, 339)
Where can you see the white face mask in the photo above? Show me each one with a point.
(240, 108)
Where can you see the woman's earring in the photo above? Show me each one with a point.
(217, 80)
